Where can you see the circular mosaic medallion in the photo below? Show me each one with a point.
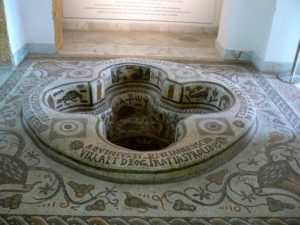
(214, 126)
(68, 127)
(185, 73)
(81, 73)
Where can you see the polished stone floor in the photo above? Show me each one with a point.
(162, 45)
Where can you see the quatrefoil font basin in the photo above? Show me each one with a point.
(139, 121)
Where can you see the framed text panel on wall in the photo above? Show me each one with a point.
(185, 11)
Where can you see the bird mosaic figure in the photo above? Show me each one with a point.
(70, 97)
(134, 202)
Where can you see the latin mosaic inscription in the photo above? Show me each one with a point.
(173, 157)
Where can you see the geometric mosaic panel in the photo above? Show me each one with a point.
(65, 128)
(214, 126)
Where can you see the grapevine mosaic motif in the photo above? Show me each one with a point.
(260, 185)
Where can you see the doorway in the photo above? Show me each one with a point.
(84, 35)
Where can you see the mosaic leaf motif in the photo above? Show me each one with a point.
(277, 205)
(81, 189)
(99, 205)
(12, 202)
(76, 145)
(276, 174)
(12, 170)
(217, 178)
(179, 205)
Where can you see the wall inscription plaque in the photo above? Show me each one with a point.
(186, 11)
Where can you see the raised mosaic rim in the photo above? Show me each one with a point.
(192, 157)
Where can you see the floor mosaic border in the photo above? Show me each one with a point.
(71, 220)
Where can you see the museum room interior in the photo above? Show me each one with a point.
(180, 112)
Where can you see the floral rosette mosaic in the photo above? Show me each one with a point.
(140, 121)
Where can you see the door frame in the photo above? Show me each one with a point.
(5, 51)
(57, 20)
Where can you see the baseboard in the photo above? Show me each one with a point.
(271, 67)
(229, 54)
(19, 55)
(45, 49)
(260, 64)
(96, 25)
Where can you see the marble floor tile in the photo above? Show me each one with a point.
(150, 44)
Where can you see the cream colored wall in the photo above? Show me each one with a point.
(96, 24)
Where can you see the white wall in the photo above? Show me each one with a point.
(37, 17)
(245, 24)
(261, 33)
(267, 32)
(30, 27)
(225, 20)
(285, 32)
(241, 26)
(15, 27)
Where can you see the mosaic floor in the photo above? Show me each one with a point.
(260, 185)
(4, 73)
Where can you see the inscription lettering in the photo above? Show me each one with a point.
(183, 155)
